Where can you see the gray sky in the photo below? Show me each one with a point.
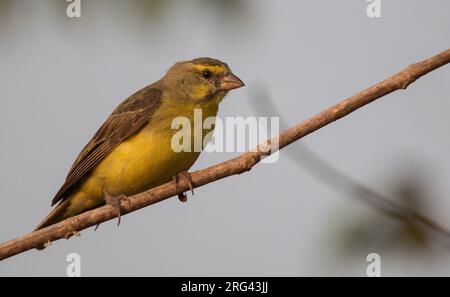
(60, 78)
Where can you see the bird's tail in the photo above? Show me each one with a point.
(58, 214)
(73, 205)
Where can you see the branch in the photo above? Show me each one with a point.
(238, 165)
(325, 172)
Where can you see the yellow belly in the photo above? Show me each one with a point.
(144, 161)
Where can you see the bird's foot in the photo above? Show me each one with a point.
(186, 176)
(116, 202)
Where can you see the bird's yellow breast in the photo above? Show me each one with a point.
(147, 159)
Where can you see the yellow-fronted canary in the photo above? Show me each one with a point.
(132, 151)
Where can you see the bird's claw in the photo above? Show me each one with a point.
(186, 176)
(182, 197)
(116, 202)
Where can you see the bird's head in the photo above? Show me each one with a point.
(201, 79)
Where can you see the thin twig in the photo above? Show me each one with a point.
(238, 165)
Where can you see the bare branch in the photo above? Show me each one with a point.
(238, 165)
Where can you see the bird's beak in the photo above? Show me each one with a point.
(230, 82)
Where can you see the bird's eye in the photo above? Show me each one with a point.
(207, 73)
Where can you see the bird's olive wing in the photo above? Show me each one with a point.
(127, 119)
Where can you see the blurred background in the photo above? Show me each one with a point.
(350, 189)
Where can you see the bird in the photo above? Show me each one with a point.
(133, 151)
